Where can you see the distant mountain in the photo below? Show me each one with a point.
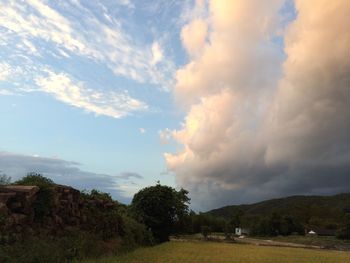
(323, 211)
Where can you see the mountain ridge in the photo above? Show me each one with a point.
(314, 210)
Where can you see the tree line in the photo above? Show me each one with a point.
(165, 211)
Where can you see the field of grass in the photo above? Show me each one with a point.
(207, 252)
(330, 242)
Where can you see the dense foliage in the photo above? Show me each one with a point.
(326, 212)
(107, 229)
(276, 224)
(344, 232)
(43, 202)
(114, 221)
(69, 246)
(161, 208)
(35, 179)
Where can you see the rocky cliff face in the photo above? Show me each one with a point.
(16, 205)
(23, 210)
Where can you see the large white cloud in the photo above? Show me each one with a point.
(256, 129)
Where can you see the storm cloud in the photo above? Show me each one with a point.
(264, 122)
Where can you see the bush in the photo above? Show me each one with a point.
(114, 221)
(44, 200)
(344, 232)
(134, 233)
(4, 179)
(36, 179)
(103, 221)
(73, 245)
(229, 231)
(206, 231)
(96, 194)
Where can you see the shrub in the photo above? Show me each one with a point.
(344, 232)
(35, 179)
(134, 233)
(4, 179)
(206, 231)
(73, 245)
(44, 200)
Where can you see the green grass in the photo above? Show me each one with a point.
(206, 252)
(310, 240)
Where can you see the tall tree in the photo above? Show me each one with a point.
(161, 208)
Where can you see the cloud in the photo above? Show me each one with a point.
(308, 119)
(127, 3)
(157, 53)
(165, 135)
(36, 28)
(44, 22)
(61, 172)
(5, 71)
(129, 175)
(86, 36)
(258, 128)
(142, 130)
(111, 103)
(194, 35)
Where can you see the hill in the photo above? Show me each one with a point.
(320, 211)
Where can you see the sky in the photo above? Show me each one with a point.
(236, 101)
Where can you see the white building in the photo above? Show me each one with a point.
(239, 231)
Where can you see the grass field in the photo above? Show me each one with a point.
(312, 240)
(206, 252)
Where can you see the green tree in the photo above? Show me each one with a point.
(344, 232)
(236, 219)
(161, 208)
(229, 231)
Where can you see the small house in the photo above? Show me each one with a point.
(239, 231)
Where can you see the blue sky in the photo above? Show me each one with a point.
(90, 82)
(236, 101)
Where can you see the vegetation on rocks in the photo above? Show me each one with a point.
(43, 220)
(44, 198)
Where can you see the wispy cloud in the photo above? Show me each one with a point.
(110, 103)
(78, 31)
(129, 175)
(5, 71)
